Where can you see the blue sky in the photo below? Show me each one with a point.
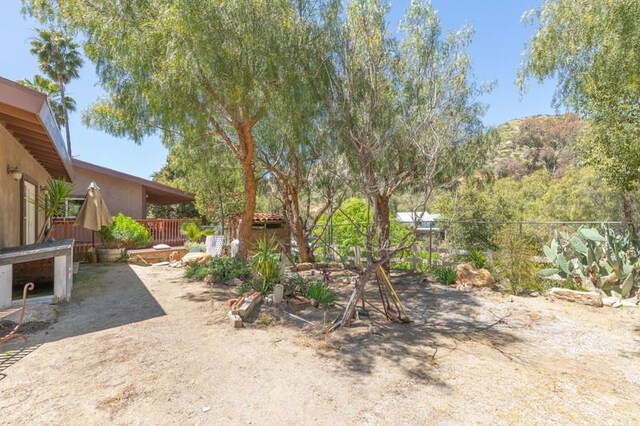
(496, 53)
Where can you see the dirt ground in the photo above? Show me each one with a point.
(145, 346)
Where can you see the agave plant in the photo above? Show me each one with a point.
(593, 260)
(445, 275)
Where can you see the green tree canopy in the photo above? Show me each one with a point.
(593, 48)
(179, 67)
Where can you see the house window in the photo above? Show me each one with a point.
(72, 207)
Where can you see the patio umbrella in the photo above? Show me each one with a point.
(94, 213)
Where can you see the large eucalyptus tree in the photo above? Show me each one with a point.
(176, 66)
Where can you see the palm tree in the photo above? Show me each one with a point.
(60, 60)
(52, 90)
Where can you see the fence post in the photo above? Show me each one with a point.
(357, 260)
(414, 257)
(519, 253)
(430, 248)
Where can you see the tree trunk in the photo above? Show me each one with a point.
(384, 226)
(356, 295)
(302, 243)
(66, 118)
(222, 215)
(244, 231)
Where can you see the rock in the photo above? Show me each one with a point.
(469, 274)
(234, 282)
(304, 266)
(610, 301)
(236, 320)
(589, 298)
(278, 293)
(535, 294)
(631, 302)
(199, 258)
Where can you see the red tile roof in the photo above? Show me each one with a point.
(261, 217)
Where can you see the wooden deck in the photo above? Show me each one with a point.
(162, 231)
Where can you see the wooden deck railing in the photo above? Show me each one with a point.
(162, 231)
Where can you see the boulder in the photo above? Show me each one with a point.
(467, 274)
(590, 298)
(199, 258)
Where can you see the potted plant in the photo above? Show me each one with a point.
(194, 234)
(123, 233)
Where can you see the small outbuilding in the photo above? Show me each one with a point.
(264, 225)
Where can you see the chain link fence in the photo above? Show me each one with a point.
(512, 249)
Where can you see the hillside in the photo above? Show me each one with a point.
(530, 143)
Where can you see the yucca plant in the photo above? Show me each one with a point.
(265, 265)
(52, 199)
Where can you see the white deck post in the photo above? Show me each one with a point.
(62, 277)
(6, 283)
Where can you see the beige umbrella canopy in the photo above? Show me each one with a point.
(94, 213)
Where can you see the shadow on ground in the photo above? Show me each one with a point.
(104, 296)
(444, 320)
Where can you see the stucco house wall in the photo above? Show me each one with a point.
(120, 195)
(13, 154)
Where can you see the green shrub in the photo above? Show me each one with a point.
(445, 275)
(124, 232)
(513, 262)
(318, 291)
(194, 232)
(293, 284)
(222, 269)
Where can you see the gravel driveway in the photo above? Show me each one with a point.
(143, 345)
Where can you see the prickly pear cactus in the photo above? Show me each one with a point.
(594, 260)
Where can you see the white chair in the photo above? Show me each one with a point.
(213, 245)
